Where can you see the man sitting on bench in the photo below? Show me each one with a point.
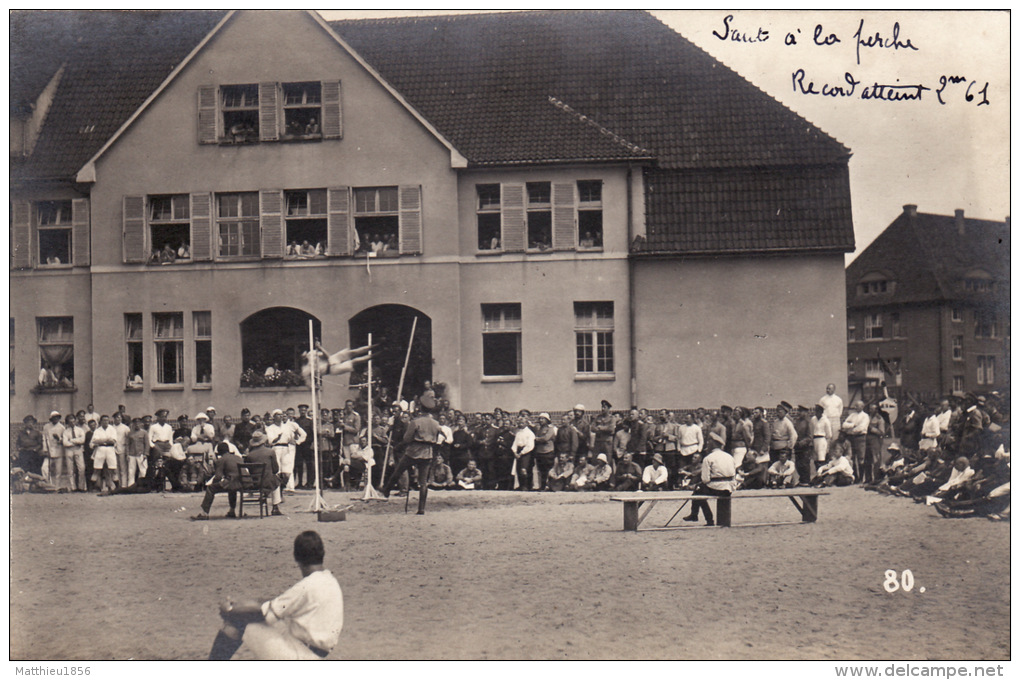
(717, 476)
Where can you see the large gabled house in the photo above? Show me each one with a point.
(928, 309)
(573, 205)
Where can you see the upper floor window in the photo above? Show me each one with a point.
(875, 283)
(539, 196)
(956, 314)
(589, 213)
(240, 110)
(54, 229)
(986, 324)
(851, 330)
(986, 369)
(269, 112)
(897, 327)
(488, 208)
(377, 220)
(957, 383)
(169, 228)
(873, 327)
(957, 341)
(237, 222)
(302, 110)
(307, 223)
(978, 281)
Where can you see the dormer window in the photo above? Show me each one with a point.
(978, 281)
(875, 283)
(302, 110)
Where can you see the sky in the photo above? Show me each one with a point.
(938, 156)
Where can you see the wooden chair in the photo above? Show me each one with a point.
(251, 487)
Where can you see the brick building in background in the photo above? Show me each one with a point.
(928, 307)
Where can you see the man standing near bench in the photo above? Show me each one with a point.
(717, 477)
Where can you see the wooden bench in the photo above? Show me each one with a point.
(633, 515)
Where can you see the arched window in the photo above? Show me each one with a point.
(272, 344)
(390, 326)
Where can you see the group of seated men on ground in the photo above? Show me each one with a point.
(635, 450)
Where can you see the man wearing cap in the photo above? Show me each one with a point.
(667, 434)
(717, 479)
(604, 429)
(656, 476)
(821, 434)
(304, 460)
(211, 413)
(784, 434)
(53, 446)
(601, 475)
(74, 454)
(161, 439)
(691, 440)
(420, 438)
(243, 430)
(524, 444)
(855, 427)
(584, 433)
(30, 447)
(545, 447)
(258, 452)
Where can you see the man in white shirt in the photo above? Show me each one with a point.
(821, 433)
(930, 432)
(833, 406)
(104, 455)
(304, 623)
(74, 454)
(283, 437)
(838, 471)
(961, 474)
(945, 415)
(655, 476)
(53, 450)
(161, 439)
(121, 446)
(783, 473)
(692, 439)
(855, 427)
(524, 442)
(718, 475)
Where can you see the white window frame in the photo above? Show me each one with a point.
(62, 211)
(175, 340)
(487, 209)
(374, 211)
(957, 344)
(594, 341)
(956, 315)
(497, 321)
(294, 215)
(986, 369)
(246, 106)
(536, 208)
(238, 221)
(134, 342)
(309, 132)
(958, 383)
(202, 336)
(871, 322)
(590, 207)
(178, 218)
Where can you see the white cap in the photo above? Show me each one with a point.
(201, 416)
(210, 408)
(275, 411)
(55, 413)
(579, 407)
(602, 457)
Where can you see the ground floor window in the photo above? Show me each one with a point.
(203, 348)
(501, 340)
(168, 334)
(273, 343)
(593, 329)
(56, 352)
(986, 370)
(135, 351)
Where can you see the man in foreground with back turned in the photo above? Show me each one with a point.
(303, 623)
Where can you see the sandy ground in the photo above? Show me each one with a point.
(490, 575)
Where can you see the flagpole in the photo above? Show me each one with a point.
(313, 361)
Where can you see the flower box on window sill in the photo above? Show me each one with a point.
(56, 389)
(594, 377)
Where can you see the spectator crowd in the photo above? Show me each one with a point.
(956, 453)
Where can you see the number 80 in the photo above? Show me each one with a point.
(906, 581)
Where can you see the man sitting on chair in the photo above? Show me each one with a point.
(258, 452)
(304, 623)
(226, 477)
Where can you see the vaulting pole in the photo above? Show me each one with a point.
(400, 391)
(313, 360)
(370, 491)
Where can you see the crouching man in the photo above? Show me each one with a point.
(303, 623)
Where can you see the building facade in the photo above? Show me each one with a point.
(177, 226)
(928, 309)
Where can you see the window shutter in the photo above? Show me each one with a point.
(208, 118)
(22, 231)
(269, 114)
(201, 227)
(410, 219)
(339, 221)
(134, 229)
(271, 217)
(80, 232)
(564, 236)
(332, 115)
(514, 225)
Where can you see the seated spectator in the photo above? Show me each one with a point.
(838, 471)
(628, 474)
(754, 473)
(656, 476)
(184, 251)
(470, 477)
(560, 474)
(582, 473)
(894, 465)
(994, 505)
(783, 473)
(358, 460)
(259, 452)
(954, 487)
(689, 475)
(601, 474)
(23, 481)
(440, 475)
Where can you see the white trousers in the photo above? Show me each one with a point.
(274, 642)
(821, 448)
